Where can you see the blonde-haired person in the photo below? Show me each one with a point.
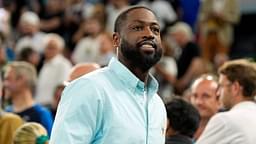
(9, 122)
(31, 133)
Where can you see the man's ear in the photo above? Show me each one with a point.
(237, 88)
(116, 39)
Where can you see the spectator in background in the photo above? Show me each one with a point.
(216, 21)
(166, 72)
(29, 55)
(31, 133)
(205, 99)
(116, 103)
(54, 71)
(190, 64)
(183, 121)
(237, 89)
(113, 9)
(94, 45)
(75, 12)
(106, 50)
(31, 35)
(164, 11)
(52, 20)
(19, 82)
(9, 122)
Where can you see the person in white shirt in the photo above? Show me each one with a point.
(33, 37)
(237, 88)
(54, 71)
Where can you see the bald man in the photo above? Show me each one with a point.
(81, 69)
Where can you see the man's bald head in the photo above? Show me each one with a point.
(81, 69)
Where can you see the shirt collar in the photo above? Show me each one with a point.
(132, 82)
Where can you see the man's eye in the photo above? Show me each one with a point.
(156, 30)
(137, 28)
(206, 96)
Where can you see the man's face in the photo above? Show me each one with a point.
(10, 82)
(225, 91)
(140, 41)
(51, 49)
(205, 99)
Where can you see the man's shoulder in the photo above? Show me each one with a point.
(226, 119)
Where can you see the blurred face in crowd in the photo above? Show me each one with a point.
(139, 39)
(51, 49)
(106, 45)
(34, 58)
(12, 83)
(204, 97)
(92, 27)
(27, 29)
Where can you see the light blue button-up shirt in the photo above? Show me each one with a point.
(110, 106)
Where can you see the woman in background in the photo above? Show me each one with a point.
(31, 133)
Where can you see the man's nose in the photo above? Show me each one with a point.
(198, 101)
(148, 33)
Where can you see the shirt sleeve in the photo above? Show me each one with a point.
(215, 131)
(79, 114)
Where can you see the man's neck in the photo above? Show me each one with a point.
(22, 101)
(142, 75)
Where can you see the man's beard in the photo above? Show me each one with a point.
(139, 59)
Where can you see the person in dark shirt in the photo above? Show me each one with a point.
(183, 121)
(19, 83)
(189, 62)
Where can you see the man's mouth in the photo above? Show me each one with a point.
(147, 46)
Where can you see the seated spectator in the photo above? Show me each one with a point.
(205, 99)
(183, 121)
(189, 62)
(8, 123)
(93, 44)
(237, 89)
(165, 72)
(19, 83)
(29, 55)
(54, 70)
(31, 34)
(31, 133)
